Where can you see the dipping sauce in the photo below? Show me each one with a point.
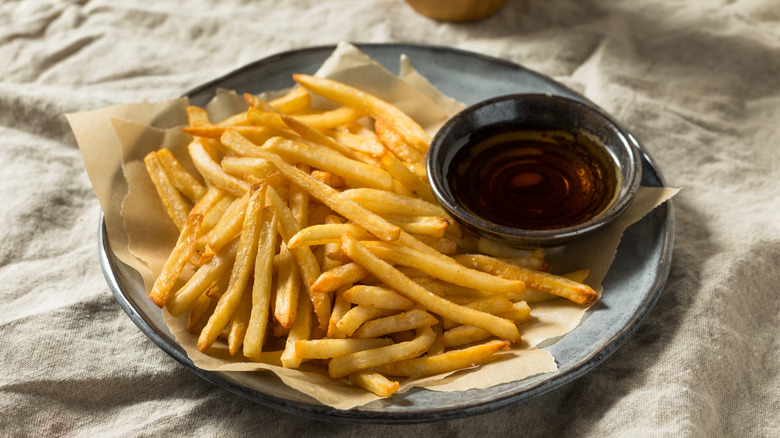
(534, 180)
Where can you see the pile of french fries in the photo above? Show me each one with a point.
(312, 236)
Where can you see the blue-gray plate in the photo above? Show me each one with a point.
(631, 287)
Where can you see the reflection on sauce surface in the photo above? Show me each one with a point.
(533, 181)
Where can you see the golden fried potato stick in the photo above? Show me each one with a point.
(197, 116)
(328, 348)
(242, 269)
(552, 284)
(171, 198)
(288, 288)
(327, 233)
(373, 223)
(412, 319)
(374, 382)
(441, 268)
(184, 182)
(261, 288)
(340, 308)
(445, 362)
(396, 144)
(377, 296)
(402, 284)
(176, 261)
(239, 323)
(338, 277)
(354, 172)
(384, 202)
(331, 118)
(296, 100)
(213, 172)
(300, 330)
(202, 307)
(356, 316)
(377, 108)
(462, 335)
(359, 143)
(433, 226)
(345, 365)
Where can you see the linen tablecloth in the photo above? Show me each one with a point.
(698, 82)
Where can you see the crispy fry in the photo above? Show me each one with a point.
(553, 284)
(184, 182)
(413, 319)
(338, 277)
(171, 198)
(374, 382)
(330, 119)
(261, 289)
(449, 271)
(326, 233)
(445, 362)
(377, 296)
(176, 261)
(214, 173)
(396, 144)
(328, 348)
(204, 277)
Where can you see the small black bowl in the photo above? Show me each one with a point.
(541, 137)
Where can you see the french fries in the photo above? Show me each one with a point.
(312, 238)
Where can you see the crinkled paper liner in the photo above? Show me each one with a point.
(114, 141)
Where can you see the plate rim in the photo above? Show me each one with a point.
(357, 415)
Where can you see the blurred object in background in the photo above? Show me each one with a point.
(457, 10)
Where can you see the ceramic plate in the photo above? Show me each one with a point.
(631, 287)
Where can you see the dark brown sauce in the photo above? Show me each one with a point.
(535, 181)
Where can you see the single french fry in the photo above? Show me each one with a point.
(261, 289)
(353, 172)
(377, 296)
(242, 268)
(197, 116)
(176, 261)
(338, 277)
(396, 144)
(445, 362)
(449, 271)
(238, 324)
(327, 178)
(296, 100)
(213, 172)
(412, 319)
(201, 308)
(359, 143)
(300, 330)
(340, 307)
(331, 118)
(374, 382)
(229, 225)
(203, 278)
(327, 233)
(433, 226)
(345, 365)
(384, 202)
(184, 182)
(579, 293)
(377, 108)
(328, 196)
(329, 348)
(500, 327)
(288, 288)
(171, 198)
(356, 316)
(462, 335)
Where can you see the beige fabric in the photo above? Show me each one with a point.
(698, 82)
